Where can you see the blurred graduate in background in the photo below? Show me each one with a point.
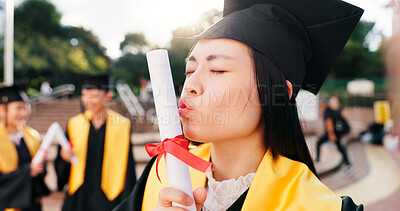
(100, 139)
(21, 181)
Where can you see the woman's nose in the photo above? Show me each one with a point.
(193, 91)
(194, 85)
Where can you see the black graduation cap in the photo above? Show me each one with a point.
(97, 82)
(13, 93)
(303, 38)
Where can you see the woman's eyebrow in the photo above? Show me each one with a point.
(218, 56)
(211, 57)
(190, 58)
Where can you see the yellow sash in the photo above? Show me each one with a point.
(8, 151)
(116, 152)
(9, 154)
(12, 209)
(279, 184)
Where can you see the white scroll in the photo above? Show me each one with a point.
(168, 118)
(54, 132)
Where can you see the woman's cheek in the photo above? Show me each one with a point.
(13, 120)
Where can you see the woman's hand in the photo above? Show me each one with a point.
(38, 168)
(168, 195)
(66, 154)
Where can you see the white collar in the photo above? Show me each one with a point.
(16, 139)
(221, 195)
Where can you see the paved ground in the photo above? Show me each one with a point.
(375, 181)
(380, 189)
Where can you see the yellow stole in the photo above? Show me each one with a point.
(279, 184)
(8, 151)
(116, 152)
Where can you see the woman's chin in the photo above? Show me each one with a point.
(199, 134)
(192, 133)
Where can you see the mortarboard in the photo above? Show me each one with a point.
(303, 38)
(97, 82)
(13, 93)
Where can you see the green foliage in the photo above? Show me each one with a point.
(356, 60)
(133, 43)
(131, 68)
(132, 65)
(338, 86)
(44, 50)
(362, 30)
(37, 17)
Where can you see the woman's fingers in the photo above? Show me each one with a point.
(168, 195)
(36, 169)
(200, 195)
(66, 154)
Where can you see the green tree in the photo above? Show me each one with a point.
(46, 50)
(37, 17)
(356, 60)
(130, 68)
(132, 65)
(134, 43)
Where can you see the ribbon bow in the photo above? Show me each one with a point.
(177, 147)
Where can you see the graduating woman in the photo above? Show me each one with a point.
(242, 77)
(21, 181)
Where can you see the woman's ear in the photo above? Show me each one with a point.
(289, 89)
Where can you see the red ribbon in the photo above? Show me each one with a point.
(177, 147)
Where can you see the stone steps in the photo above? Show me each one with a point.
(60, 110)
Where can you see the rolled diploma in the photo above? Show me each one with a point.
(44, 146)
(168, 118)
(54, 131)
(63, 141)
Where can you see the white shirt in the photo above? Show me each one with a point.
(16, 139)
(221, 195)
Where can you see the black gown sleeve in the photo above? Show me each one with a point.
(16, 188)
(39, 187)
(131, 178)
(135, 198)
(349, 205)
(62, 169)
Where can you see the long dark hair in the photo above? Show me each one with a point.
(283, 134)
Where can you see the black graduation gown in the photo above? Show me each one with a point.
(18, 189)
(90, 196)
(135, 199)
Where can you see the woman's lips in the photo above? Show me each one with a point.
(184, 108)
(184, 112)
